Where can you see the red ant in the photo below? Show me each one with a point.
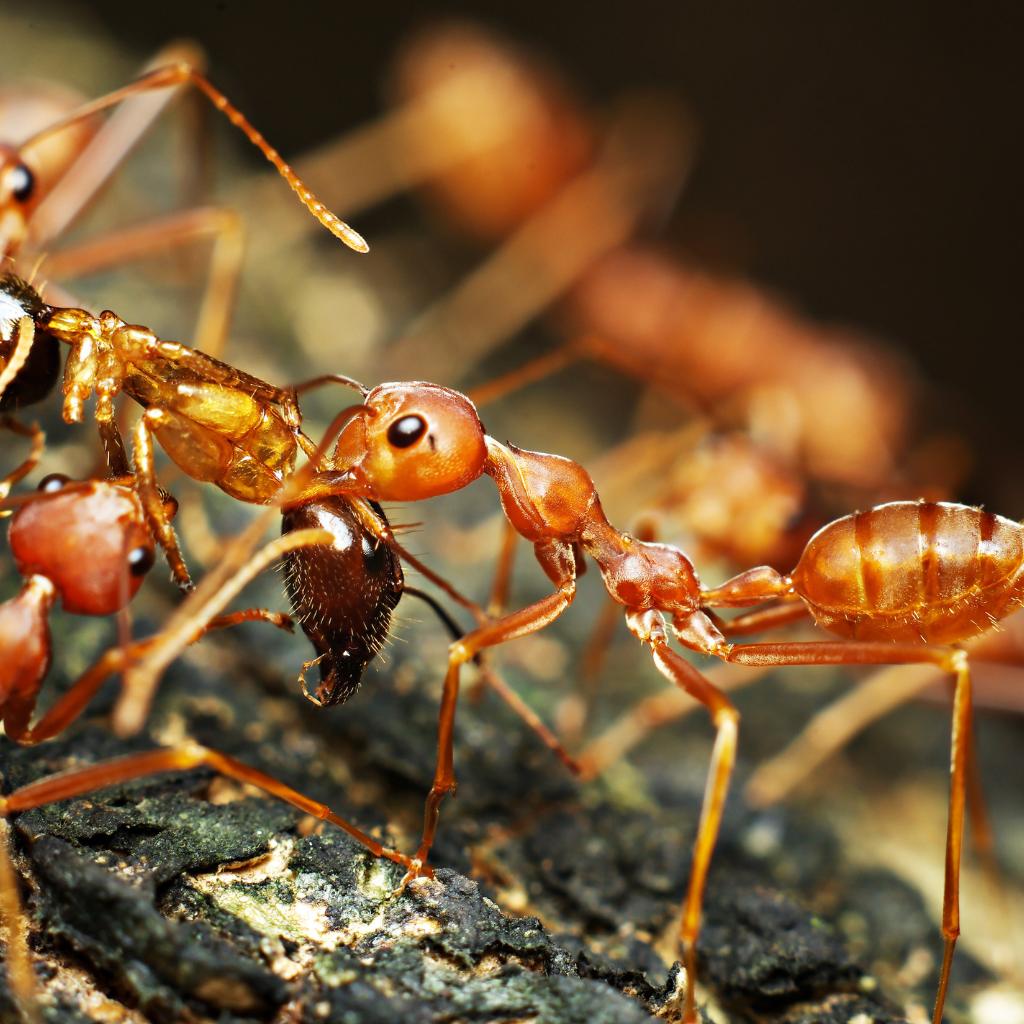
(900, 583)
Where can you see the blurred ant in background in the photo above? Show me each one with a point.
(55, 157)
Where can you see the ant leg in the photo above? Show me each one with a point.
(31, 460)
(649, 628)
(184, 757)
(155, 237)
(151, 499)
(559, 562)
(869, 653)
(489, 677)
(25, 335)
(22, 978)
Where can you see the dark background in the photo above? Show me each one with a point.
(863, 159)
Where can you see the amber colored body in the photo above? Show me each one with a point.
(913, 571)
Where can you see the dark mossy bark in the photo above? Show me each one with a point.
(185, 898)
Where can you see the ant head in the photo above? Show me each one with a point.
(413, 440)
(89, 539)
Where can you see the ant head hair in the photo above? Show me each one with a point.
(416, 440)
(18, 299)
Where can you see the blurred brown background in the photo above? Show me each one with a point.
(864, 160)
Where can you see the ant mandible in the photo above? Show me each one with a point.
(903, 582)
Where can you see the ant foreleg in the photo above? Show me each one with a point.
(559, 562)
(152, 501)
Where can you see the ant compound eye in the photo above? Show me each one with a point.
(406, 431)
(22, 183)
(140, 561)
(53, 483)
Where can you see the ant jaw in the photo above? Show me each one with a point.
(340, 676)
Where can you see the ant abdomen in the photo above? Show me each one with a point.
(343, 594)
(913, 570)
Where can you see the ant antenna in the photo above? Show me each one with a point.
(178, 74)
(331, 378)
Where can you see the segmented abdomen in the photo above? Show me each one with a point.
(930, 571)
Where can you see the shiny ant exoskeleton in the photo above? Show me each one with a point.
(901, 583)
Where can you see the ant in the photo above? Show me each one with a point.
(40, 193)
(223, 426)
(900, 583)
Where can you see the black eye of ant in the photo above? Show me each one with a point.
(140, 561)
(22, 183)
(406, 431)
(52, 483)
